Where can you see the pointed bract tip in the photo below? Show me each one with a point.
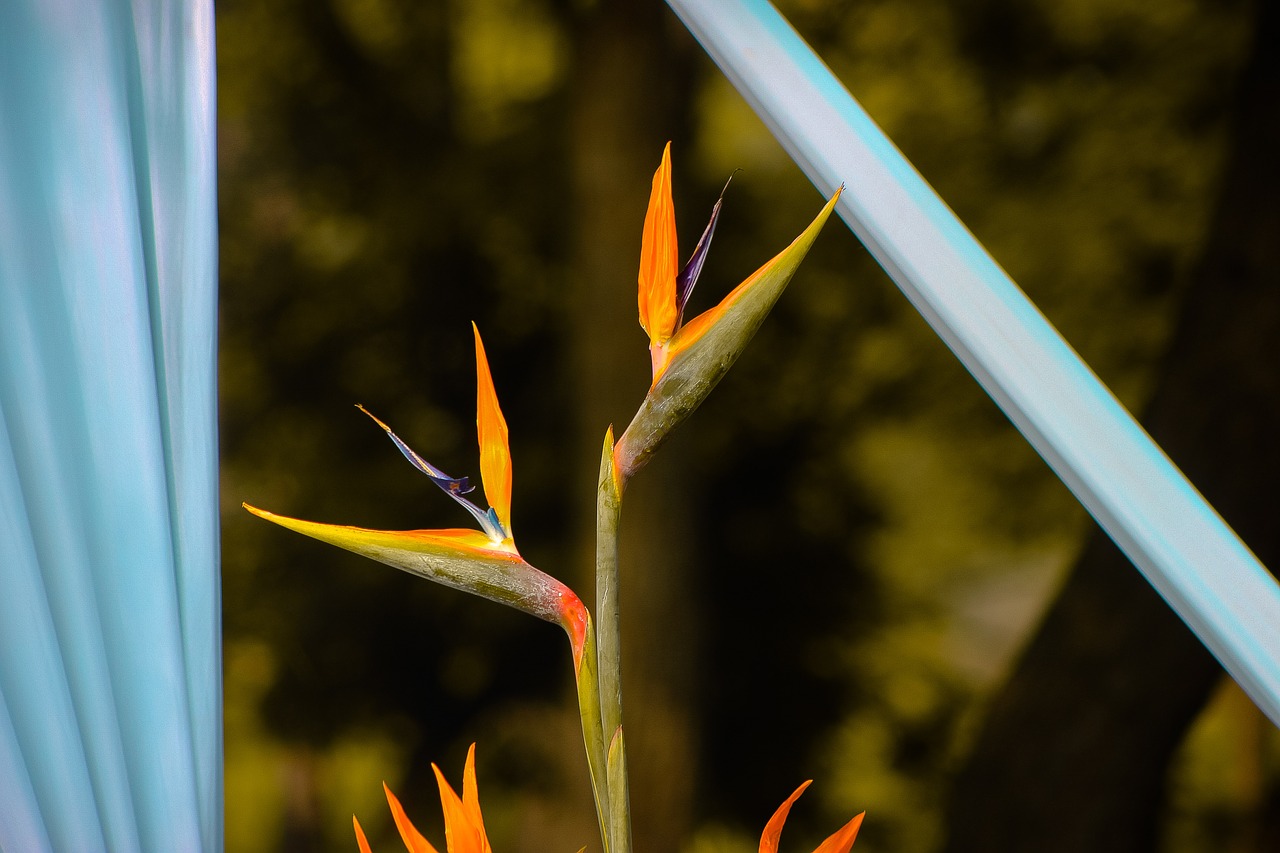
(611, 453)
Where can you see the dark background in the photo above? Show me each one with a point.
(847, 566)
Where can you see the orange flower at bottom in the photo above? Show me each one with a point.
(839, 842)
(463, 823)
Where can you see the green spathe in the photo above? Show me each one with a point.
(453, 558)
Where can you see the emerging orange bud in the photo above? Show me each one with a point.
(659, 258)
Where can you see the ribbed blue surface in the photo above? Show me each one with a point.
(1182, 546)
(110, 677)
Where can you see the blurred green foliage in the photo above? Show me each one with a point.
(854, 539)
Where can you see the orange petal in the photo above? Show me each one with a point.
(471, 795)
(773, 829)
(659, 258)
(495, 447)
(842, 839)
(461, 832)
(360, 839)
(409, 834)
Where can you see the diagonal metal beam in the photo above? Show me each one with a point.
(1182, 546)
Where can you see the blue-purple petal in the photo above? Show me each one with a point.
(488, 518)
(693, 267)
(453, 485)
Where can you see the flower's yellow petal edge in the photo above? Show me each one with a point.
(495, 446)
(659, 258)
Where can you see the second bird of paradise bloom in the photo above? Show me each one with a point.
(485, 561)
(464, 824)
(688, 359)
(665, 286)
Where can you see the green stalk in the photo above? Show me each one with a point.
(593, 731)
(619, 794)
(608, 511)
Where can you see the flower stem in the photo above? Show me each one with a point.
(619, 794)
(608, 508)
(608, 512)
(593, 732)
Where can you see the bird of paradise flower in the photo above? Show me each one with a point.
(688, 360)
(486, 561)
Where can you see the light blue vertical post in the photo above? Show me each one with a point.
(1165, 527)
(110, 676)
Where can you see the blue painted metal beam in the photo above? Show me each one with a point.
(110, 649)
(1154, 514)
